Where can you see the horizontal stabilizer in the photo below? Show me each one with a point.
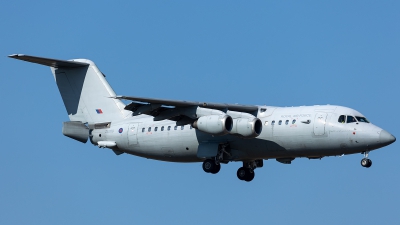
(56, 63)
(76, 130)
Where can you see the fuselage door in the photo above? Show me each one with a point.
(132, 133)
(319, 123)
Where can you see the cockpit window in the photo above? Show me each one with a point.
(342, 119)
(351, 119)
(362, 119)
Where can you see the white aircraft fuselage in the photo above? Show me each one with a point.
(305, 131)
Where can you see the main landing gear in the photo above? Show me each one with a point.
(214, 165)
(365, 162)
(246, 172)
(211, 166)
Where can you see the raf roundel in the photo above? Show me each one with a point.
(120, 130)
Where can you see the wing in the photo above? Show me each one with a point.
(180, 110)
(179, 103)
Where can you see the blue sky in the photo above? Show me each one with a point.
(281, 53)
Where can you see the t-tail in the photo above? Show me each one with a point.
(87, 96)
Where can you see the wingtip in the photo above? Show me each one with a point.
(15, 55)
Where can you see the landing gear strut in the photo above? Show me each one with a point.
(365, 162)
(214, 165)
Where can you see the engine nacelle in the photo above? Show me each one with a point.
(247, 127)
(214, 124)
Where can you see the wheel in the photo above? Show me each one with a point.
(366, 163)
(249, 175)
(241, 173)
(369, 164)
(209, 166)
(217, 168)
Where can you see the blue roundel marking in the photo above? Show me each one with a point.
(120, 130)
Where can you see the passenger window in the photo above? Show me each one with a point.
(182, 127)
(280, 122)
(351, 119)
(176, 127)
(162, 128)
(287, 122)
(273, 122)
(143, 129)
(169, 127)
(155, 129)
(294, 121)
(149, 129)
(342, 119)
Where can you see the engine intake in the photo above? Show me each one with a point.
(214, 124)
(247, 127)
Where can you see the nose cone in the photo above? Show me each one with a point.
(386, 138)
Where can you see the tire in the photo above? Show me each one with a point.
(250, 175)
(369, 163)
(216, 169)
(241, 173)
(364, 162)
(209, 166)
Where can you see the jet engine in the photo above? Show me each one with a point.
(214, 124)
(247, 127)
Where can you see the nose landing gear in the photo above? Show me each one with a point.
(365, 162)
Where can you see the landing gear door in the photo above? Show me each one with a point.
(132, 133)
(319, 123)
(207, 150)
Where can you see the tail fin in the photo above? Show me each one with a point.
(87, 96)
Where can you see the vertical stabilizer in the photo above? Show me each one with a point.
(87, 96)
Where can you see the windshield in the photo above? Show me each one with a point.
(362, 119)
(351, 119)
